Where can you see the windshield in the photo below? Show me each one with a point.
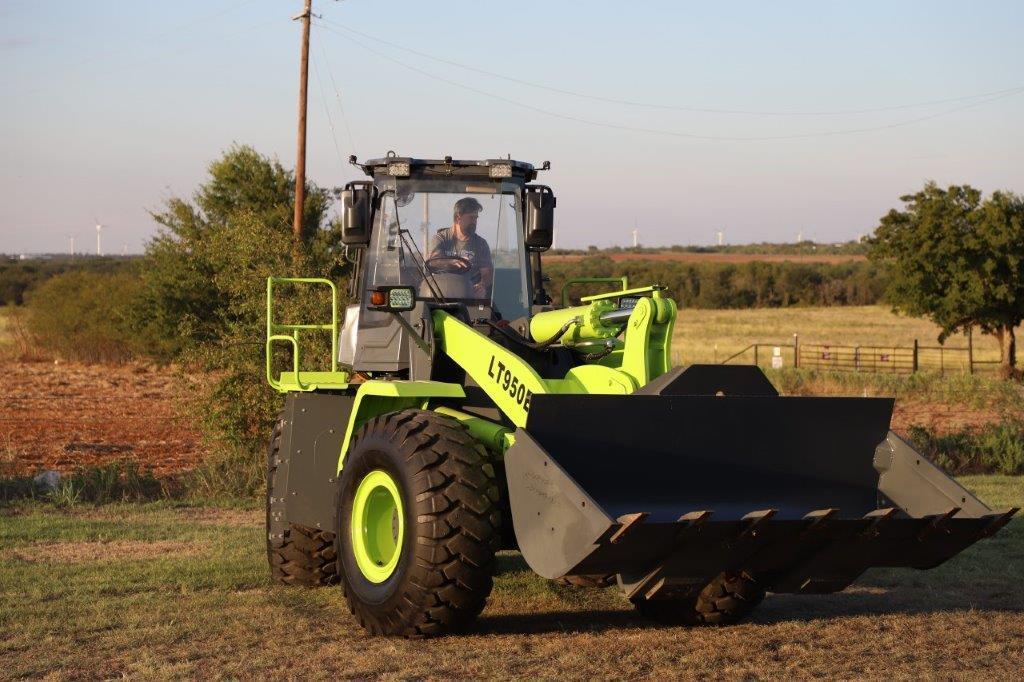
(457, 242)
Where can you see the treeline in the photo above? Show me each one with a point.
(806, 247)
(19, 276)
(754, 284)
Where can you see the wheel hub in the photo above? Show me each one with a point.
(378, 526)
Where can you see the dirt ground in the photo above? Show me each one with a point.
(64, 415)
(688, 257)
(148, 593)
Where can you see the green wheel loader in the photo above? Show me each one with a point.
(462, 412)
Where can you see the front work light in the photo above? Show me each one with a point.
(392, 299)
(399, 169)
(500, 170)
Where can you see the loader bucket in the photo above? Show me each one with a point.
(669, 490)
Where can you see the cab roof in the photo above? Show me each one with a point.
(407, 166)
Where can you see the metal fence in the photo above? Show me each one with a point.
(875, 359)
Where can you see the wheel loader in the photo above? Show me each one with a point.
(464, 411)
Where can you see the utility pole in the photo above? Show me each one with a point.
(300, 162)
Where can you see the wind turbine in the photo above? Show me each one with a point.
(99, 244)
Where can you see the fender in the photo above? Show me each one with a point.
(317, 432)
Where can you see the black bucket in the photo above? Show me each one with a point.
(669, 490)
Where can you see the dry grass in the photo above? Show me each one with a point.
(17, 343)
(216, 615)
(713, 335)
(116, 550)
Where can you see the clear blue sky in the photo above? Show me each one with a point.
(111, 107)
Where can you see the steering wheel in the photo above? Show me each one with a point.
(456, 265)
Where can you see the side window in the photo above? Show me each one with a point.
(509, 293)
(384, 259)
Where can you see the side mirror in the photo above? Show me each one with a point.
(540, 217)
(356, 213)
(392, 299)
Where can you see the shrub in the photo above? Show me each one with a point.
(85, 316)
(994, 449)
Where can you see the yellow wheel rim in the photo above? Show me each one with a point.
(378, 526)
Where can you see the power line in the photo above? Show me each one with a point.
(671, 107)
(337, 94)
(671, 133)
(327, 111)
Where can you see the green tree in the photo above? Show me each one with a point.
(203, 299)
(958, 260)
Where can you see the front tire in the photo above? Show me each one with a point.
(419, 522)
(727, 599)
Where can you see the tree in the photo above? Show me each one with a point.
(958, 260)
(203, 299)
(191, 271)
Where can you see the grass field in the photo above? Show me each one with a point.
(174, 591)
(710, 335)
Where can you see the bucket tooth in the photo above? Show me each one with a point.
(817, 521)
(877, 520)
(937, 522)
(998, 521)
(753, 520)
(628, 522)
(695, 518)
(689, 525)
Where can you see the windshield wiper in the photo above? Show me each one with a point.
(418, 259)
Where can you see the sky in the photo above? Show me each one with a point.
(678, 119)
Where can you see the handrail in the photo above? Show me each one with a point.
(624, 280)
(274, 329)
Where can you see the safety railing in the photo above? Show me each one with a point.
(289, 333)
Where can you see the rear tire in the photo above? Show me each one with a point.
(727, 599)
(297, 555)
(417, 561)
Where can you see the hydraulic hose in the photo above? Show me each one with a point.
(530, 344)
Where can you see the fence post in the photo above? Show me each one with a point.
(915, 357)
(796, 350)
(970, 349)
(756, 363)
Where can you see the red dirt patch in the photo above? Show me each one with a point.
(689, 257)
(62, 416)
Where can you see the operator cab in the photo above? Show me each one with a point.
(463, 234)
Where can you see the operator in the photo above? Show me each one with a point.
(469, 251)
